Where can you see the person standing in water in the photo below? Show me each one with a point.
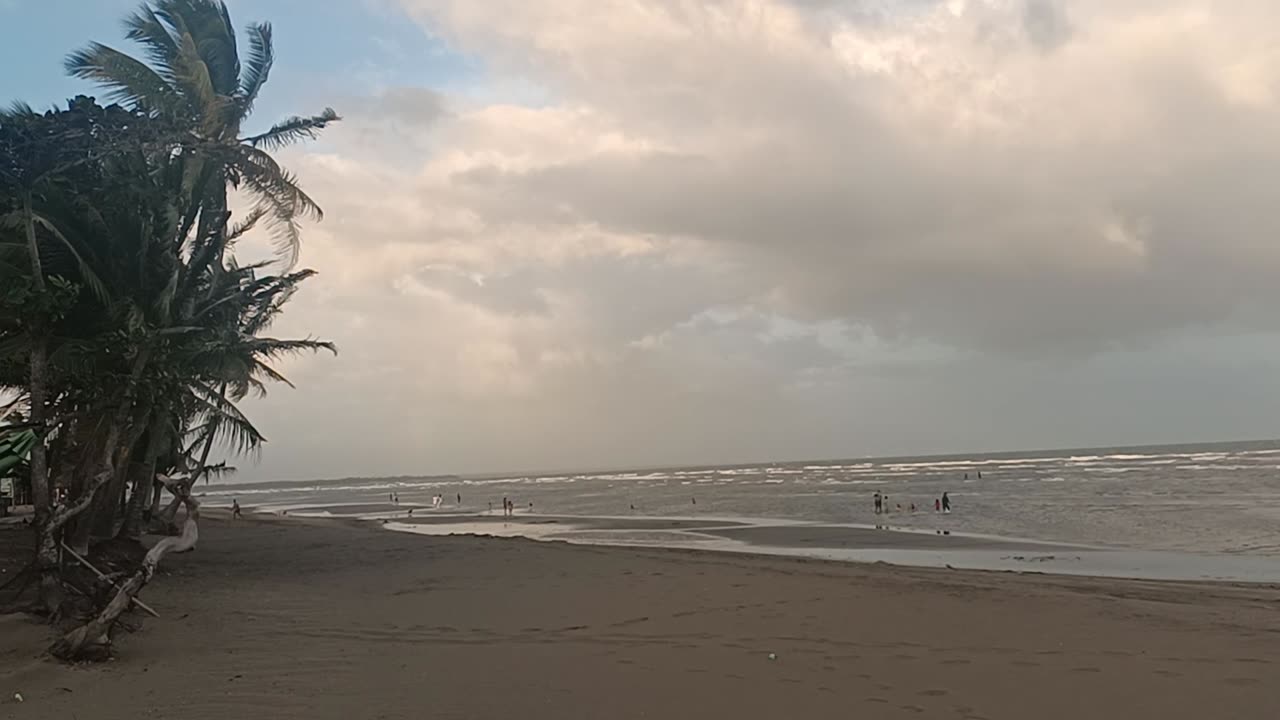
(946, 503)
(878, 503)
(235, 509)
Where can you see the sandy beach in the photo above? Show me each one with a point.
(294, 618)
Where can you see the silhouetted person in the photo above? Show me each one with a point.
(235, 509)
(946, 503)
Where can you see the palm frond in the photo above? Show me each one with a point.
(273, 348)
(293, 130)
(19, 108)
(128, 81)
(279, 195)
(250, 220)
(193, 76)
(145, 28)
(258, 67)
(232, 428)
(87, 274)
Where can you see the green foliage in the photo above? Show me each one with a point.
(117, 246)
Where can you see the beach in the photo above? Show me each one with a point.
(299, 618)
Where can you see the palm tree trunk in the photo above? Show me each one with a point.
(99, 474)
(108, 509)
(46, 560)
(144, 477)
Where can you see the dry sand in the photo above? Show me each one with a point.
(324, 619)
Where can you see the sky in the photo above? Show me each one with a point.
(570, 234)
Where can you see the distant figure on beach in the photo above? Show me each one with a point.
(410, 512)
(966, 476)
(235, 509)
(693, 501)
(395, 498)
(879, 503)
(946, 503)
(530, 507)
(504, 507)
(979, 474)
(490, 507)
(899, 506)
(913, 507)
(459, 498)
(391, 498)
(633, 506)
(937, 505)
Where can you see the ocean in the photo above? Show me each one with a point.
(1221, 498)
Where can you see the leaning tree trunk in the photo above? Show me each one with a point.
(46, 560)
(92, 641)
(52, 593)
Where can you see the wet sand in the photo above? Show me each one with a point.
(296, 618)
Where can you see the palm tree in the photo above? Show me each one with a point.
(125, 321)
(196, 76)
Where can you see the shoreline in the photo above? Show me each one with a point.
(842, 542)
(310, 618)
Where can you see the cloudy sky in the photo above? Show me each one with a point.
(586, 233)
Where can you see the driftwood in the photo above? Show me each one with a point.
(92, 641)
(102, 576)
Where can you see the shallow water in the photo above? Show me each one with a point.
(1219, 499)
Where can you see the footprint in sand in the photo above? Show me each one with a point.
(936, 692)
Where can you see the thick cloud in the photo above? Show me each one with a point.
(797, 227)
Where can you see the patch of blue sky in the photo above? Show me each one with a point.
(324, 50)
